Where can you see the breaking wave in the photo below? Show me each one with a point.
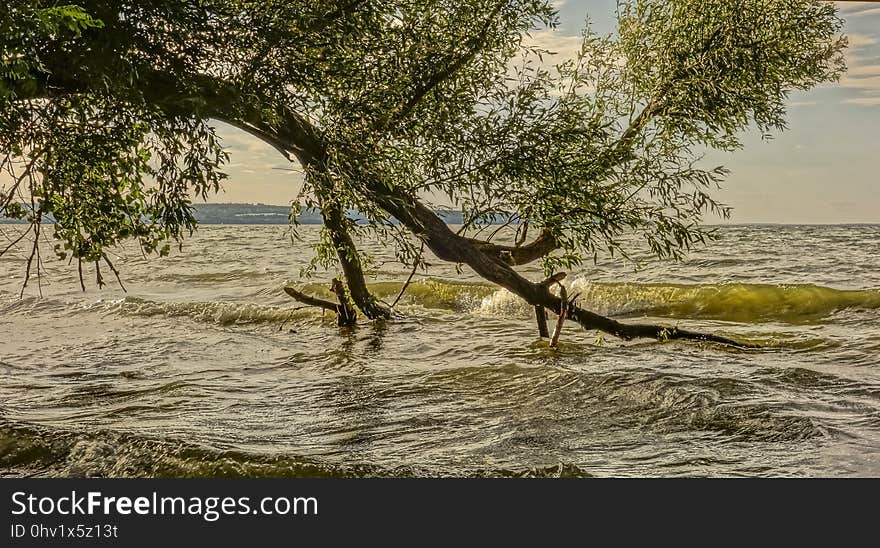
(34, 451)
(735, 302)
(223, 313)
(747, 303)
(730, 302)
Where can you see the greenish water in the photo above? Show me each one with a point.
(205, 367)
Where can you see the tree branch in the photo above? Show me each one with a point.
(345, 315)
(295, 134)
(474, 45)
(449, 246)
(311, 301)
(515, 255)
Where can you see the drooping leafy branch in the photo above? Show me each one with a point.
(390, 106)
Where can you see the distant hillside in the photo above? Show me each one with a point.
(262, 214)
(250, 214)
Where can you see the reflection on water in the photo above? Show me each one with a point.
(205, 367)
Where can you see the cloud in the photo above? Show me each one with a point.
(563, 46)
(872, 11)
(858, 9)
(863, 75)
(864, 70)
(866, 84)
(859, 41)
(868, 101)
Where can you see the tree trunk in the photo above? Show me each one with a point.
(303, 140)
(349, 259)
(541, 317)
(291, 133)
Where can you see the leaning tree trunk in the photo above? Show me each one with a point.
(349, 260)
(292, 134)
(314, 159)
(494, 263)
(449, 246)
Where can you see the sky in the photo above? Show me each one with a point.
(825, 168)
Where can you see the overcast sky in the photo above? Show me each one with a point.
(824, 169)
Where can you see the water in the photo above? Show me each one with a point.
(205, 367)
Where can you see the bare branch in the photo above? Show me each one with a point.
(311, 301)
(563, 314)
(115, 272)
(11, 245)
(416, 264)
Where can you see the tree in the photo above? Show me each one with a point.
(106, 123)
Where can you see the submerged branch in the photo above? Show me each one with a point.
(554, 342)
(541, 317)
(590, 320)
(345, 314)
(311, 301)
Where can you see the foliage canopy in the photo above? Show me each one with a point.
(106, 111)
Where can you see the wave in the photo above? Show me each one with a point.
(223, 313)
(438, 294)
(737, 302)
(28, 450)
(746, 303)
(734, 302)
(645, 400)
(730, 302)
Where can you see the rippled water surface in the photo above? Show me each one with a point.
(205, 367)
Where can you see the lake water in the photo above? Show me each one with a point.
(205, 367)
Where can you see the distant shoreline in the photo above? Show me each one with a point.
(265, 214)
